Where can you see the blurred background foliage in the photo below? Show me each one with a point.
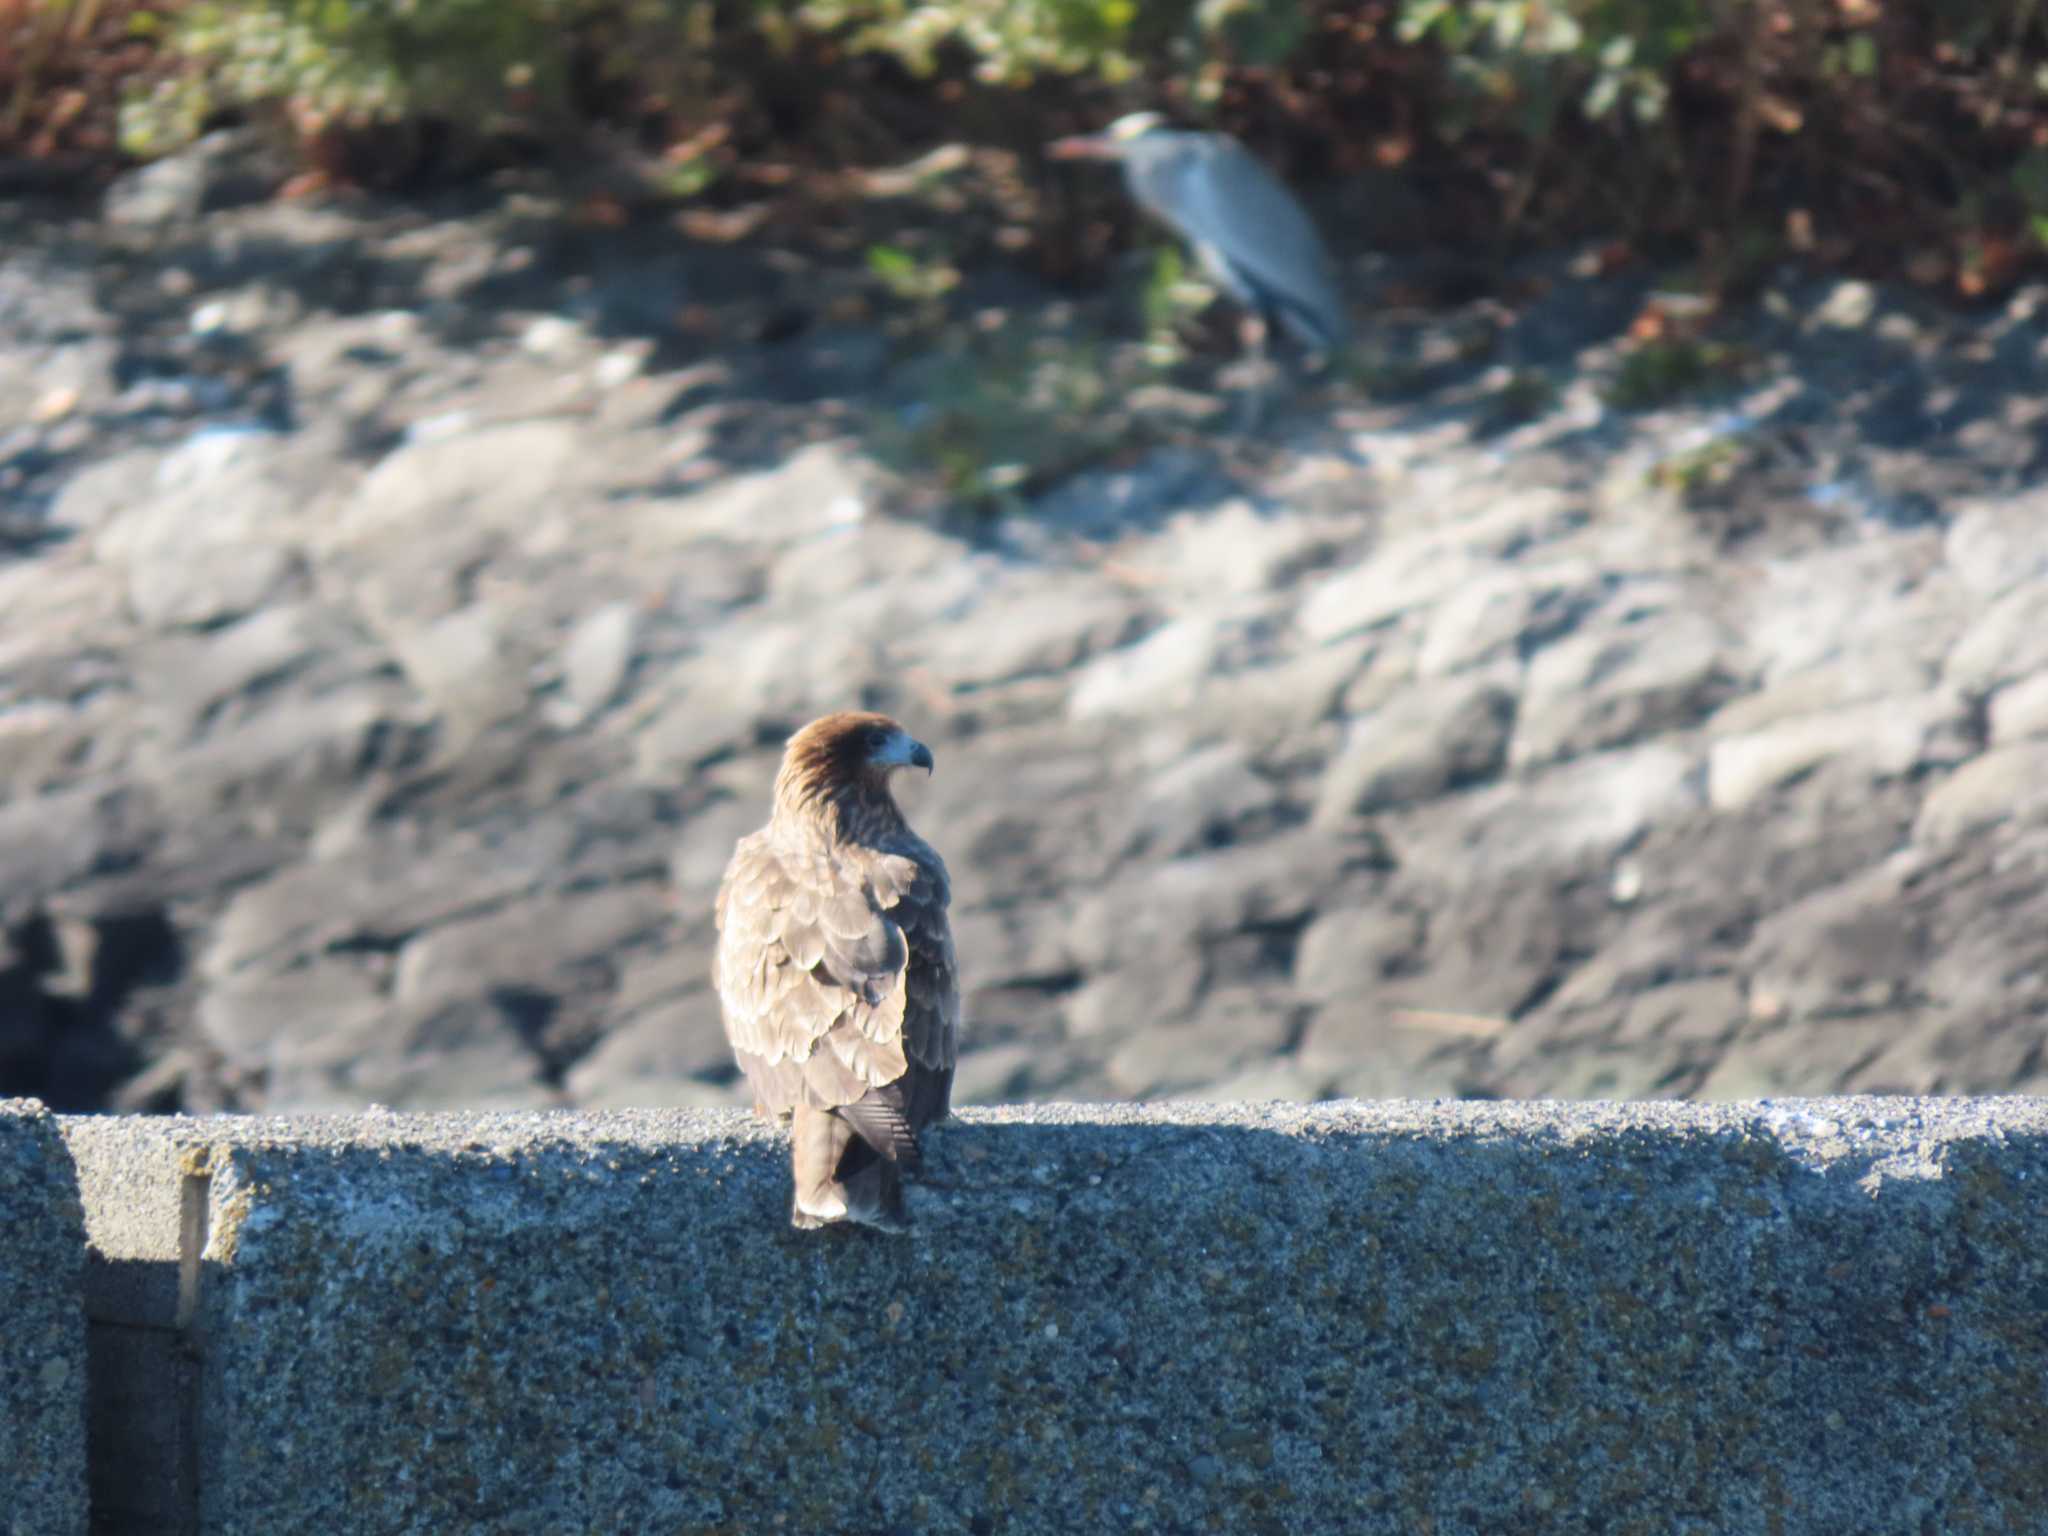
(1871, 134)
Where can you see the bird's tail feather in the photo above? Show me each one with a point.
(840, 1177)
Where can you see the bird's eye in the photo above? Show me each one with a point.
(876, 738)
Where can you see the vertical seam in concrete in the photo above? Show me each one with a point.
(195, 1207)
(195, 1194)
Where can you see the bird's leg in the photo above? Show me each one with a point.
(1251, 408)
(817, 1141)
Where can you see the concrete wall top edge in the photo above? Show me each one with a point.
(1802, 1118)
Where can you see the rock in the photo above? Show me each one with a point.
(1661, 945)
(996, 1074)
(1854, 948)
(473, 1056)
(1403, 726)
(1887, 738)
(257, 1021)
(1273, 884)
(1266, 706)
(1994, 546)
(1851, 606)
(597, 658)
(1819, 690)
(1817, 1058)
(2007, 642)
(299, 759)
(1282, 1079)
(1208, 799)
(1702, 1013)
(1392, 580)
(1849, 306)
(218, 170)
(174, 591)
(378, 895)
(873, 554)
(1494, 950)
(1581, 1069)
(819, 488)
(560, 955)
(214, 536)
(56, 841)
(2005, 785)
(1235, 550)
(1985, 948)
(554, 336)
(1051, 832)
(1152, 986)
(1031, 629)
(38, 740)
(462, 665)
(664, 1043)
(440, 507)
(1613, 683)
(756, 679)
(1351, 951)
(1940, 1052)
(99, 493)
(1508, 615)
(1108, 502)
(1365, 1050)
(1588, 807)
(1389, 674)
(189, 677)
(1160, 675)
(2019, 710)
(1020, 943)
(1440, 736)
(1233, 1028)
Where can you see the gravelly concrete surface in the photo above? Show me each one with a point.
(42, 1329)
(1352, 1317)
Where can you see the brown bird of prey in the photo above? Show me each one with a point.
(835, 970)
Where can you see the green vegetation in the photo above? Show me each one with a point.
(1522, 397)
(1663, 372)
(908, 278)
(1901, 134)
(1172, 296)
(487, 64)
(1007, 412)
(1701, 471)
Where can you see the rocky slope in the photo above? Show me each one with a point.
(400, 626)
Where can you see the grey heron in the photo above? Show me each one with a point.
(1248, 231)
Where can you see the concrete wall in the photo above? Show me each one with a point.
(1825, 1316)
(42, 1329)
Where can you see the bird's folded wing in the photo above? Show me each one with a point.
(1229, 200)
(823, 966)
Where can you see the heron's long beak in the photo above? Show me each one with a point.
(1082, 146)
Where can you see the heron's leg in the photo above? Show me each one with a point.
(1252, 331)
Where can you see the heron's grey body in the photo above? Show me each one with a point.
(1247, 230)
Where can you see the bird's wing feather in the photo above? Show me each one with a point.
(1218, 194)
(835, 974)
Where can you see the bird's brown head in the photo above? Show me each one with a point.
(843, 761)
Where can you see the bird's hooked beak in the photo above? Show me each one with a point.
(902, 750)
(1083, 146)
